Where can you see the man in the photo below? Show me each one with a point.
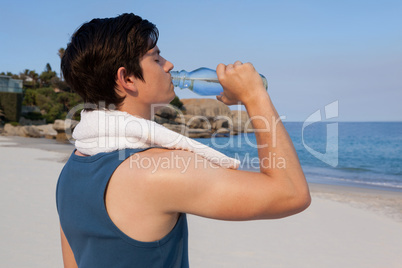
(115, 214)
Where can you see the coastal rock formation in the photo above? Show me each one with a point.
(47, 131)
(64, 128)
(192, 121)
(168, 112)
(203, 118)
(199, 118)
(241, 122)
(189, 132)
(205, 107)
(23, 131)
(63, 125)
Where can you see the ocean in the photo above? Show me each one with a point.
(363, 154)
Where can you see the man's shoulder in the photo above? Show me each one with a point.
(160, 161)
(152, 171)
(159, 155)
(159, 151)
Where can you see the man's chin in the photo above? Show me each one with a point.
(173, 95)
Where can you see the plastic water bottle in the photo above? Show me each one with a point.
(203, 81)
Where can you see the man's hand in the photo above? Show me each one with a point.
(240, 82)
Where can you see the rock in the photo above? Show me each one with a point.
(182, 129)
(23, 131)
(220, 123)
(189, 132)
(167, 111)
(205, 107)
(61, 125)
(58, 125)
(161, 120)
(29, 131)
(64, 128)
(10, 130)
(222, 131)
(193, 121)
(241, 122)
(48, 131)
(182, 119)
(199, 133)
(204, 117)
(62, 136)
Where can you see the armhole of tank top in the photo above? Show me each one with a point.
(122, 234)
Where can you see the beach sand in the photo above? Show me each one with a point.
(343, 227)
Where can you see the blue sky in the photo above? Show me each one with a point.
(312, 52)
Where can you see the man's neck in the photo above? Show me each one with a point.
(137, 110)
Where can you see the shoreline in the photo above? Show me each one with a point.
(383, 202)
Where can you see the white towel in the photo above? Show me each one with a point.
(107, 131)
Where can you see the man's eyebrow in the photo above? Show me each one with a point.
(156, 51)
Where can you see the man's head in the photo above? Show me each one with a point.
(99, 48)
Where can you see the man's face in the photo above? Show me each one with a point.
(157, 87)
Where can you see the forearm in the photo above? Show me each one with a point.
(278, 157)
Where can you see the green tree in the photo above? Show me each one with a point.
(54, 112)
(29, 97)
(176, 102)
(43, 102)
(48, 68)
(55, 82)
(46, 76)
(2, 116)
(24, 76)
(34, 77)
(53, 105)
(61, 53)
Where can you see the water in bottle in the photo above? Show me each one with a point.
(203, 81)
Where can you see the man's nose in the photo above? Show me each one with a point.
(169, 66)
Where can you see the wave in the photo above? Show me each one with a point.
(355, 169)
(384, 183)
(393, 185)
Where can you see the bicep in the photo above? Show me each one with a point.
(68, 255)
(214, 192)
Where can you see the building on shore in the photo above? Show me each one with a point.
(8, 84)
(11, 97)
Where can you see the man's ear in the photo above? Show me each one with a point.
(126, 81)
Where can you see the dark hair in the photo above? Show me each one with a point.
(99, 48)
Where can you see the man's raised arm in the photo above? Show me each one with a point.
(210, 191)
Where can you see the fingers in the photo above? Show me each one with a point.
(220, 69)
(237, 63)
(234, 65)
(223, 70)
(229, 67)
(222, 98)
